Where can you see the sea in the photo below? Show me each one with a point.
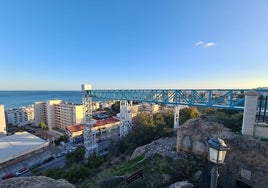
(17, 99)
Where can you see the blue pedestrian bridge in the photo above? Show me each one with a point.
(213, 98)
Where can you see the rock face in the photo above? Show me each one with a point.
(246, 162)
(35, 182)
(164, 146)
(193, 135)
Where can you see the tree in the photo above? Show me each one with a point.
(169, 118)
(146, 128)
(232, 119)
(43, 125)
(95, 161)
(77, 155)
(144, 118)
(63, 138)
(188, 113)
(116, 107)
(77, 172)
(159, 119)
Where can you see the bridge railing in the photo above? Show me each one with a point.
(262, 111)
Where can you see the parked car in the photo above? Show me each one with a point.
(73, 148)
(59, 155)
(7, 176)
(48, 159)
(22, 171)
(35, 165)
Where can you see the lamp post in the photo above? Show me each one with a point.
(216, 154)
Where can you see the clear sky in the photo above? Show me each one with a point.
(60, 44)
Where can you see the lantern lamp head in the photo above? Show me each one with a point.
(217, 150)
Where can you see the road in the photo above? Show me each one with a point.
(56, 163)
(104, 145)
(59, 162)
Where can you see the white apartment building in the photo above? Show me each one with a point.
(50, 113)
(95, 105)
(2, 121)
(58, 114)
(20, 116)
(146, 107)
(68, 114)
(40, 112)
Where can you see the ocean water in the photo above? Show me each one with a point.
(16, 99)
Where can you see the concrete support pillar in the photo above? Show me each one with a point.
(176, 116)
(125, 117)
(249, 116)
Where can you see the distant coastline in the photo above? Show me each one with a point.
(19, 98)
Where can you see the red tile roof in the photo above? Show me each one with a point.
(105, 122)
(76, 128)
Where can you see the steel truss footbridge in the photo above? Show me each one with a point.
(211, 98)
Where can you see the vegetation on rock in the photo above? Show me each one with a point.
(231, 119)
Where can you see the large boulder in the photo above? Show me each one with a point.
(35, 182)
(193, 135)
(165, 146)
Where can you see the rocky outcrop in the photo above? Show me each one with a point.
(164, 146)
(35, 182)
(246, 161)
(193, 135)
(181, 184)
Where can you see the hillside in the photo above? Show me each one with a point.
(159, 161)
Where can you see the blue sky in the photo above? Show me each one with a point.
(58, 45)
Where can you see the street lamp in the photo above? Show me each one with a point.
(216, 154)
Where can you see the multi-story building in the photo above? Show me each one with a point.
(96, 105)
(58, 114)
(68, 114)
(40, 112)
(20, 116)
(152, 108)
(2, 121)
(102, 128)
(50, 113)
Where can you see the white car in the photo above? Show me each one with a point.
(22, 171)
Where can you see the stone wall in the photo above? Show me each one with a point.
(245, 162)
(261, 130)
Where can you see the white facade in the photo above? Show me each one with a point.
(68, 114)
(40, 112)
(2, 121)
(95, 106)
(58, 114)
(152, 108)
(20, 116)
(50, 107)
